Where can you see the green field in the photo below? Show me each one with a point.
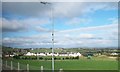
(81, 64)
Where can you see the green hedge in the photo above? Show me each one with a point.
(45, 58)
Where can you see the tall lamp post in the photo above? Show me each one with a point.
(52, 18)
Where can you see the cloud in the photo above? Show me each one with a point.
(60, 9)
(86, 36)
(96, 36)
(67, 40)
(36, 21)
(0, 9)
(40, 29)
(77, 21)
(84, 29)
(30, 9)
(35, 41)
(35, 17)
(12, 26)
(16, 25)
(113, 20)
(75, 9)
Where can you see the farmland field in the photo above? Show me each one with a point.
(81, 64)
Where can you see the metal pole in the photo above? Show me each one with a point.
(41, 68)
(1, 65)
(52, 19)
(52, 39)
(27, 67)
(18, 66)
(11, 65)
(6, 63)
(61, 70)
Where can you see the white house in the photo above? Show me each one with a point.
(41, 54)
(75, 54)
(55, 54)
(12, 55)
(50, 54)
(30, 54)
(114, 54)
(6, 55)
(63, 54)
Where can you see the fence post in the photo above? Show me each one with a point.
(28, 67)
(60, 70)
(1, 65)
(41, 68)
(6, 63)
(11, 65)
(18, 66)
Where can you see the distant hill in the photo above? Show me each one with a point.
(10, 50)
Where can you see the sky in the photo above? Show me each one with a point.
(76, 24)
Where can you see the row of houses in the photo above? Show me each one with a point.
(113, 54)
(55, 54)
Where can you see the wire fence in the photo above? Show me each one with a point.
(11, 65)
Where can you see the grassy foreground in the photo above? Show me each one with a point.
(81, 64)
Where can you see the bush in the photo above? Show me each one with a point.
(67, 58)
(40, 58)
(16, 57)
(77, 57)
(44, 58)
